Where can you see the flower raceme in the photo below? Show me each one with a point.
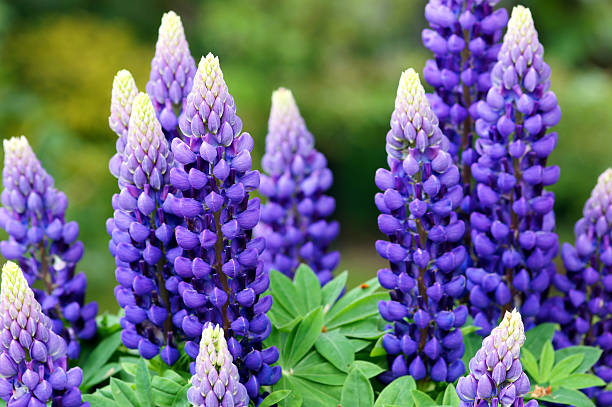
(293, 221)
(142, 239)
(584, 311)
(496, 374)
(216, 380)
(513, 227)
(172, 71)
(33, 366)
(418, 202)
(44, 244)
(219, 275)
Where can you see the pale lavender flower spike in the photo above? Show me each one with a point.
(216, 381)
(172, 72)
(33, 367)
(496, 375)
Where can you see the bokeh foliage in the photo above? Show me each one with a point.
(341, 58)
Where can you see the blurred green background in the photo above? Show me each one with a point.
(341, 58)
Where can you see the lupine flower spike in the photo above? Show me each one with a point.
(418, 205)
(44, 244)
(216, 381)
(220, 276)
(123, 94)
(172, 71)
(585, 311)
(513, 228)
(142, 239)
(294, 221)
(33, 367)
(496, 375)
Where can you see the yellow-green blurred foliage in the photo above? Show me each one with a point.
(341, 58)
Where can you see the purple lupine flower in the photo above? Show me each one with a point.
(216, 381)
(418, 204)
(122, 97)
(33, 364)
(465, 39)
(513, 228)
(584, 311)
(142, 238)
(294, 221)
(496, 375)
(220, 276)
(44, 244)
(172, 71)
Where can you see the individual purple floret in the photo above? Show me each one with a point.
(496, 375)
(584, 311)
(172, 71)
(216, 381)
(33, 365)
(220, 276)
(418, 204)
(513, 228)
(294, 220)
(123, 95)
(142, 239)
(44, 244)
(465, 37)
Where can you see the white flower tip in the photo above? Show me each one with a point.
(13, 281)
(16, 146)
(521, 21)
(171, 25)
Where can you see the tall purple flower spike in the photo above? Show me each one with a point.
(513, 228)
(216, 381)
(123, 95)
(142, 238)
(44, 244)
(418, 204)
(584, 311)
(33, 365)
(465, 38)
(496, 375)
(220, 276)
(294, 221)
(172, 71)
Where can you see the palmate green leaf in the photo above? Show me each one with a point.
(142, 380)
(547, 360)
(591, 356)
(538, 336)
(530, 364)
(95, 400)
(360, 309)
(472, 342)
(450, 396)
(98, 358)
(369, 369)
(353, 295)
(336, 348)
(308, 287)
(167, 385)
(294, 399)
(422, 399)
(315, 368)
(397, 393)
(316, 394)
(102, 374)
(565, 367)
(275, 397)
(332, 290)
(180, 400)
(285, 294)
(304, 336)
(365, 329)
(378, 349)
(359, 344)
(357, 390)
(579, 381)
(282, 319)
(569, 397)
(123, 393)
